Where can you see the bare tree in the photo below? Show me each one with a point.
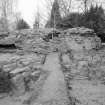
(6, 8)
(16, 19)
(49, 4)
(64, 6)
(85, 4)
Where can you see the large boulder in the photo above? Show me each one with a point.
(81, 38)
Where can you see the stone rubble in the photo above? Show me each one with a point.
(82, 59)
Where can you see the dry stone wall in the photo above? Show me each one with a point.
(25, 70)
(84, 68)
(81, 39)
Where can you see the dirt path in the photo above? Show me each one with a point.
(54, 90)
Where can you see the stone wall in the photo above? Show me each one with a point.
(25, 70)
(81, 39)
(84, 68)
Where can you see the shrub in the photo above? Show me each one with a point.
(22, 24)
(94, 18)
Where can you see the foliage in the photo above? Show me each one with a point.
(69, 21)
(94, 18)
(55, 17)
(22, 24)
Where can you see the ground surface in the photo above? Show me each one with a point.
(54, 87)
